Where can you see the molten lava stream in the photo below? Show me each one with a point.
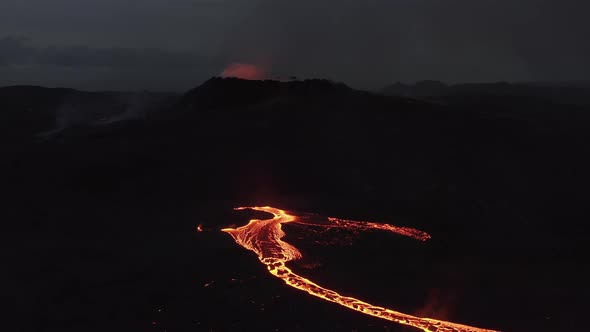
(264, 238)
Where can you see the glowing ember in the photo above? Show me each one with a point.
(199, 228)
(264, 238)
(245, 71)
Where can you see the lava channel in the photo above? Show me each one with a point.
(264, 238)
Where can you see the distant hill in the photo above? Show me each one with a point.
(575, 93)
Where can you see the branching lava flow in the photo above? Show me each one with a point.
(264, 238)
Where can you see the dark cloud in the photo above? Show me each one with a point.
(18, 51)
(364, 43)
(14, 51)
(22, 62)
(371, 41)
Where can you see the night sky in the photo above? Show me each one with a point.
(173, 45)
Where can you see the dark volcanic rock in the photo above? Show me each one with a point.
(220, 93)
(100, 222)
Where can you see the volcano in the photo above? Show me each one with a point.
(232, 92)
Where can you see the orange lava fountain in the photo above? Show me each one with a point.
(264, 238)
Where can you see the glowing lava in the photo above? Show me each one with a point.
(264, 238)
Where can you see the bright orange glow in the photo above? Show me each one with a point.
(199, 228)
(264, 238)
(245, 71)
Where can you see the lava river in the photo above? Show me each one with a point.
(264, 238)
